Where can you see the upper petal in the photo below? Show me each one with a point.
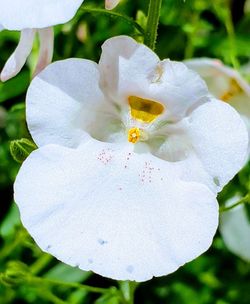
(123, 47)
(219, 139)
(65, 104)
(123, 215)
(235, 230)
(139, 72)
(19, 14)
(178, 87)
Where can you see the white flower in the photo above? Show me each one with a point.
(19, 14)
(110, 4)
(225, 84)
(132, 152)
(17, 60)
(31, 17)
(235, 230)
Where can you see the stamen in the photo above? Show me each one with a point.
(145, 110)
(133, 135)
(234, 89)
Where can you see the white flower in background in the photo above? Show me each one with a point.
(132, 152)
(225, 84)
(235, 230)
(17, 60)
(110, 4)
(31, 17)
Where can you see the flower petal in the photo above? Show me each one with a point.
(65, 104)
(217, 75)
(116, 48)
(235, 231)
(46, 49)
(219, 79)
(19, 57)
(219, 139)
(123, 215)
(19, 14)
(139, 72)
(170, 82)
(110, 4)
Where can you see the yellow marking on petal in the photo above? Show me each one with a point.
(234, 89)
(133, 135)
(145, 110)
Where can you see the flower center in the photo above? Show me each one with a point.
(234, 88)
(144, 110)
(133, 135)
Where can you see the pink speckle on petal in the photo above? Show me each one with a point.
(105, 156)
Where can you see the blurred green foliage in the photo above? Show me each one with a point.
(191, 28)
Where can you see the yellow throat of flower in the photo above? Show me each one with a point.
(144, 110)
(234, 89)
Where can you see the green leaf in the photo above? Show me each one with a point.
(68, 273)
(10, 222)
(247, 210)
(78, 296)
(20, 149)
(141, 19)
(110, 297)
(15, 274)
(115, 15)
(15, 86)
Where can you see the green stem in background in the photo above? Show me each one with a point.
(244, 200)
(154, 10)
(42, 281)
(49, 296)
(116, 15)
(190, 47)
(10, 247)
(128, 290)
(231, 37)
(40, 263)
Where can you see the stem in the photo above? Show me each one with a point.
(127, 291)
(41, 263)
(154, 10)
(231, 37)
(244, 200)
(49, 296)
(113, 14)
(40, 281)
(9, 248)
(190, 48)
